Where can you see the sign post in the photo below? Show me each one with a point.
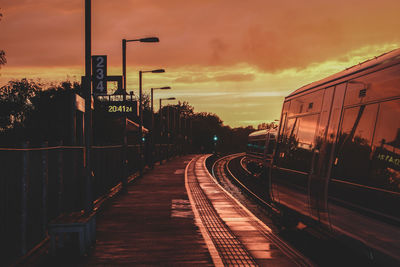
(99, 70)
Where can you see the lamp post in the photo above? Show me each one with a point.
(124, 41)
(160, 113)
(125, 141)
(141, 115)
(152, 122)
(152, 109)
(88, 104)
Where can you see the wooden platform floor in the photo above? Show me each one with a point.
(153, 224)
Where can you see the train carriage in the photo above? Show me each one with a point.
(260, 148)
(337, 159)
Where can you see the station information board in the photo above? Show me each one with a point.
(99, 72)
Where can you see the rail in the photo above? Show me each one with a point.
(224, 164)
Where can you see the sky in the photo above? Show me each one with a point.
(237, 59)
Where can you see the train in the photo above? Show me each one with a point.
(335, 164)
(259, 151)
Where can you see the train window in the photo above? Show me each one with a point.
(271, 146)
(354, 144)
(285, 110)
(261, 146)
(324, 115)
(253, 146)
(385, 172)
(308, 103)
(331, 125)
(306, 131)
(286, 106)
(291, 130)
(377, 85)
(335, 113)
(298, 143)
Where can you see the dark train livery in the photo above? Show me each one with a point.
(337, 159)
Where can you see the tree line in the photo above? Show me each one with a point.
(34, 112)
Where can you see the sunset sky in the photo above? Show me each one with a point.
(237, 59)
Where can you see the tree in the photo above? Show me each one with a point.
(268, 125)
(205, 126)
(16, 102)
(184, 109)
(30, 113)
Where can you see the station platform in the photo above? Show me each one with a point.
(177, 215)
(151, 224)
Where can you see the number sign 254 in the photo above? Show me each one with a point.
(99, 72)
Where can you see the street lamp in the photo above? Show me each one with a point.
(160, 114)
(125, 146)
(140, 96)
(124, 41)
(169, 98)
(152, 120)
(152, 110)
(141, 111)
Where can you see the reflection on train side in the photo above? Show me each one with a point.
(337, 160)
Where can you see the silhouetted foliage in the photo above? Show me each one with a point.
(208, 125)
(205, 126)
(16, 102)
(267, 125)
(30, 113)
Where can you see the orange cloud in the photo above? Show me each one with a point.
(199, 78)
(269, 35)
(221, 56)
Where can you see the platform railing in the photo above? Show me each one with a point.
(38, 184)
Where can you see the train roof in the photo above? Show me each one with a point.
(388, 56)
(258, 133)
(263, 132)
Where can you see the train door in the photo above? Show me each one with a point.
(274, 193)
(292, 163)
(325, 139)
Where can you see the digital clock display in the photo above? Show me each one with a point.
(119, 107)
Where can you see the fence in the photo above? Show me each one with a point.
(38, 184)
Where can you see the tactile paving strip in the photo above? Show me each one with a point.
(230, 249)
(296, 257)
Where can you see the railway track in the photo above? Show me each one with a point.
(231, 168)
(222, 170)
(308, 243)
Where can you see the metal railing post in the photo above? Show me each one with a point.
(60, 184)
(45, 172)
(24, 197)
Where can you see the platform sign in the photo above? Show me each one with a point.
(121, 107)
(99, 72)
